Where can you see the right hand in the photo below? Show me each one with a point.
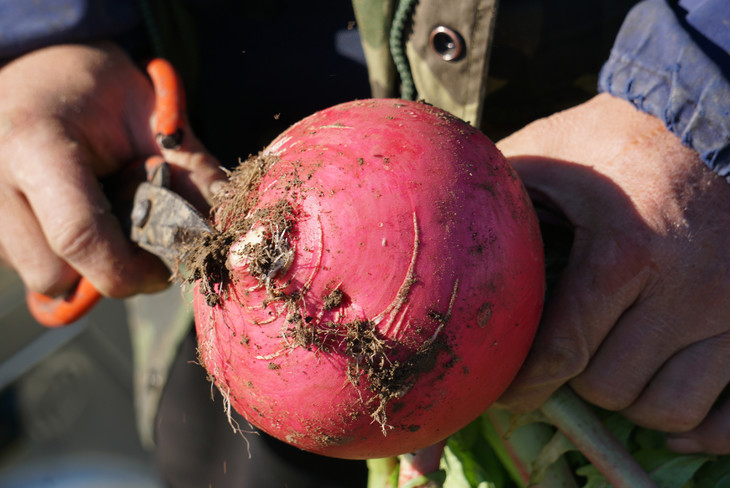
(70, 115)
(637, 322)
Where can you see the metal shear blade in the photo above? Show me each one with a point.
(163, 222)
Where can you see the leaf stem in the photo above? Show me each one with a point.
(585, 430)
(420, 463)
(519, 448)
(382, 472)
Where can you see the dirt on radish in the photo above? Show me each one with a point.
(373, 282)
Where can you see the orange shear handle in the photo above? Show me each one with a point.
(169, 103)
(63, 310)
(169, 113)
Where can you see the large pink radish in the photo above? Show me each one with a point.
(376, 281)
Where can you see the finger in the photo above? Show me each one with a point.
(197, 174)
(25, 249)
(683, 391)
(635, 349)
(77, 222)
(578, 316)
(645, 337)
(711, 436)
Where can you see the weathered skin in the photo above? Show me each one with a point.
(416, 218)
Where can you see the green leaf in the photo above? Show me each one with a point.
(383, 472)
(497, 443)
(650, 439)
(550, 453)
(666, 468)
(594, 478)
(714, 474)
(518, 421)
(475, 465)
(620, 427)
(437, 477)
(456, 471)
(455, 476)
(678, 471)
(467, 436)
(652, 459)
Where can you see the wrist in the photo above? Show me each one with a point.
(663, 72)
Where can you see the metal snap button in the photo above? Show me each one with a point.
(447, 43)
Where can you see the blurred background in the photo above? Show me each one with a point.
(66, 401)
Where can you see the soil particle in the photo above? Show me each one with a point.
(333, 300)
(389, 379)
(303, 335)
(484, 314)
(206, 261)
(207, 257)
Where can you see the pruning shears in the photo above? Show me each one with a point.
(162, 221)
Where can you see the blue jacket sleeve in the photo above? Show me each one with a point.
(711, 18)
(27, 25)
(674, 63)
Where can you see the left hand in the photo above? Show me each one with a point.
(71, 115)
(638, 322)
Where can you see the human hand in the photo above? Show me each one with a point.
(70, 115)
(638, 321)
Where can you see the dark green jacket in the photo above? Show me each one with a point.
(446, 49)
